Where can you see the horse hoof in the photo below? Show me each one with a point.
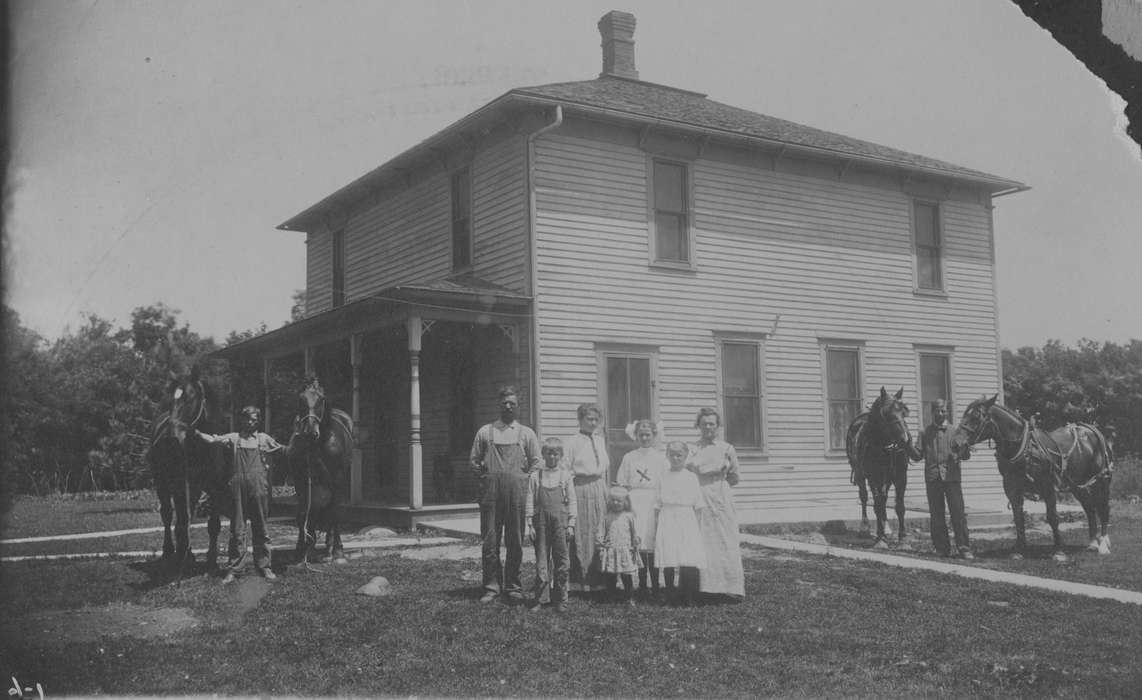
(880, 543)
(1104, 545)
(903, 546)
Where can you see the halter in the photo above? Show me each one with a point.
(312, 418)
(201, 409)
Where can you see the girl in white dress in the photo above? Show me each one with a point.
(678, 542)
(639, 473)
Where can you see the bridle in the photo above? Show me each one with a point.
(176, 420)
(313, 417)
(897, 421)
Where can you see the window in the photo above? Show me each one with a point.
(935, 383)
(741, 393)
(626, 387)
(842, 392)
(338, 284)
(926, 229)
(671, 192)
(461, 219)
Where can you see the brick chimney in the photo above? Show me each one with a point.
(617, 29)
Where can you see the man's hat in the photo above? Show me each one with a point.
(940, 404)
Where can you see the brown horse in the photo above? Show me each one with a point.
(876, 444)
(184, 466)
(320, 453)
(1036, 464)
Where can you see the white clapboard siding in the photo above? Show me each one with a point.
(406, 236)
(833, 258)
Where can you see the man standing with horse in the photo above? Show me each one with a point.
(943, 481)
(503, 456)
(249, 490)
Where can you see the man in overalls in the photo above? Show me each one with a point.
(503, 455)
(249, 491)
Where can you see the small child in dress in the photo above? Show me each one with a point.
(678, 541)
(550, 516)
(616, 544)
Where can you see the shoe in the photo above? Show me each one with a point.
(489, 597)
(229, 578)
(269, 575)
(515, 597)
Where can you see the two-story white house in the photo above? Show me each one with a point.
(649, 249)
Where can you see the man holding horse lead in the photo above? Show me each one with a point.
(943, 481)
(249, 490)
(503, 456)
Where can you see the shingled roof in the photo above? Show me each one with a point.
(693, 109)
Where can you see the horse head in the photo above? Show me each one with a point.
(888, 417)
(189, 403)
(976, 425)
(312, 408)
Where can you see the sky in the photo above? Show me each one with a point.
(156, 145)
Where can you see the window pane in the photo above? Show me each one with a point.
(843, 379)
(461, 244)
(618, 392)
(935, 383)
(669, 187)
(638, 369)
(928, 268)
(670, 237)
(841, 414)
(461, 194)
(743, 422)
(739, 369)
(927, 230)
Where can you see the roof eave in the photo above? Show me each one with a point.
(997, 185)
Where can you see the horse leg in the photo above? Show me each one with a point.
(862, 486)
(1053, 520)
(1013, 487)
(182, 514)
(1086, 502)
(880, 507)
(336, 549)
(166, 510)
(900, 485)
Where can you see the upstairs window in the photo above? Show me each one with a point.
(338, 282)
(461, 219)
(842, 392)
(741, 393)
(929, 246)
(671, 216)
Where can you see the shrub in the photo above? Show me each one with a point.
(1127, 479)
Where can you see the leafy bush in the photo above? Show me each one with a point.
(1127, 479)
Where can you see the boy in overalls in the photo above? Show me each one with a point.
(503, 455)
(550, 517)
(249, 491)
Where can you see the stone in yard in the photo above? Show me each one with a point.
(374, 531)
(377, 588)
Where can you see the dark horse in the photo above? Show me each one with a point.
(320, 452)
(184, 466)
(1036, 464)
(877, 447)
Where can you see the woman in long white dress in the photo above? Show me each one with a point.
(715, 463)
(639, 473)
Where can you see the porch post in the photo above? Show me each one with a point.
(308, 357)
(355, 486)
(416, 454)
(266, 392)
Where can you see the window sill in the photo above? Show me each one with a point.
(667, 266)
(930, 293)
(836, 454)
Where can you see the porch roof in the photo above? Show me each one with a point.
(457, 298)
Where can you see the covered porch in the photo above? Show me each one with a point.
(417, 368)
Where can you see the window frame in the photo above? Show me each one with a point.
(687, 213)
(337, 268)
(938, 231)
(948, 354)
(854, 346)
(757, 342)
(606, 351)
(455, 201)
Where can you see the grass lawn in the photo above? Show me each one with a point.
(810, 626)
